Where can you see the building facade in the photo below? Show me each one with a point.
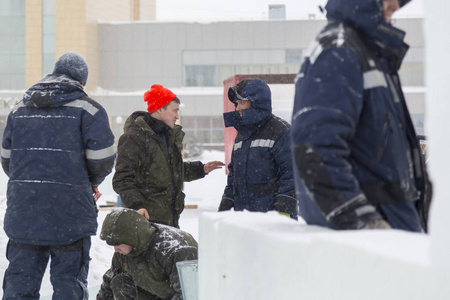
(127, 53)
(195, 58)
(34, 33)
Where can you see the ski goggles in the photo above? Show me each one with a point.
(233, 94)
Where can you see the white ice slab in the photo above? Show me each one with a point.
(247, 255)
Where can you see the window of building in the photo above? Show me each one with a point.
(294, 56)
(413, 68)
(412, 73)
(12, 44)
(210, 68)
(203, 130)
(200, 75)
(418, 121)
(277, 12)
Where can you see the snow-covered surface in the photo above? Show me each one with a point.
(260, 256)
(437, 124)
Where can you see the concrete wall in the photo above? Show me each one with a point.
(133, 56)
(136, 54)
(70, 29)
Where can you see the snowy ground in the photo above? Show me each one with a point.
(205, 193)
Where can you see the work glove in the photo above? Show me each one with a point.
(284, 214)
(286, 205)
(378, 224)
(226, 204)
(123, 287)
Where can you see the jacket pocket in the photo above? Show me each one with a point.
(264, 188)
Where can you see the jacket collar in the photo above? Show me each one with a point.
(366, 17)
(53, 91)
(250, 122)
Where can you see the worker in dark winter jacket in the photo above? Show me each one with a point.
(57, 148)
(357, 160)
(260, 172)
(150, 170)
(144, 262)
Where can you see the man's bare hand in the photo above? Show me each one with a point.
(144, 212)
(97, 194)
(378, 224)
(212, 165)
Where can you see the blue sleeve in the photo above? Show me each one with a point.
(327, 107)
(227, 202)
(285, 200)
(99, 147)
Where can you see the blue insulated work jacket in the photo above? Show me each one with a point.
(57, 146)
(260, 172)
(356, 155)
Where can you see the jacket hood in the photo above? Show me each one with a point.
(132, 119)
(127, 226)
(53, 91)
(366, 16)
(258, 93)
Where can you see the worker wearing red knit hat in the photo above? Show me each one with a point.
(150, 170)
(157, 97)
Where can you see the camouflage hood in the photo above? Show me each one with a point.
(127, 226)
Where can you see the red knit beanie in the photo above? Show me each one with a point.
(157, 97)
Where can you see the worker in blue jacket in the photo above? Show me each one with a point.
(260, 172)
(57, 148)
(357, 160)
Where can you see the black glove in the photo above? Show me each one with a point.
(123, 287)
(226, 204)
(286, 204)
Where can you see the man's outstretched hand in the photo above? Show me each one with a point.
(212, 165)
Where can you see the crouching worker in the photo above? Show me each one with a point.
(144, 262)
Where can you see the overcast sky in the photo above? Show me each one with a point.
(221, 10)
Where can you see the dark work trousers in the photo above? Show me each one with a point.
(69, 266)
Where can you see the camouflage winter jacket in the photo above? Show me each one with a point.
(149, 175)
(152, 262)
